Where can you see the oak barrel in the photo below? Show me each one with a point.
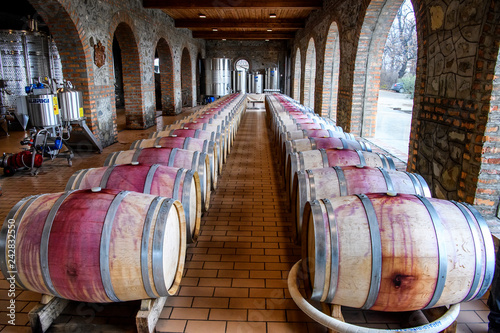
(176, 183)
(314, 143)
(96, 245)
(206, 146)
(198, 134)
(324, 158)
(395, 253)
(332, 182)
(173, 157)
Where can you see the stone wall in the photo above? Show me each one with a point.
(454, 137)
(78, 26)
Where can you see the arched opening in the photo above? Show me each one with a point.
(310, 75)
(376, 25)
(397, 83)
(487, 196)
(242, 68)
(131, 76)
(164, 78)
(296, 76)
(331, 73)
(186, 79)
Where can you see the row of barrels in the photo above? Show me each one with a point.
(373, 237)
(119, 232)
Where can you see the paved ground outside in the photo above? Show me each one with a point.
(393, 123)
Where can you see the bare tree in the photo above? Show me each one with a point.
(400, 51)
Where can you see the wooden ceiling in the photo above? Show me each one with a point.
(238, 19)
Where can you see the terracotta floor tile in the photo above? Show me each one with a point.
(195, 326)
(228, 314)
(245, 327)
(170, 325)
(189, 313)
(211, 302)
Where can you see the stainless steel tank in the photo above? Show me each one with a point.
(250, 83)
(218, 76)
(43, 110)
(25, 55)
(241, 81)
(272, 78)
(258, 83)
(70, 103)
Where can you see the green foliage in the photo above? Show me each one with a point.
(408, 83)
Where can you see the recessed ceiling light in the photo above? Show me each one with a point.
(202, 15)
(267, 40)
(214, 29)
(269, 30)
(272, 15)
(223, 39)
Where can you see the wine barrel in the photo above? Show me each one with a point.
(205, 146)
(224, 130)
(337, 181)
(313, 143)
(198, 134)
(318, 133)
(173, 157)
(104, 246)
(395, 253)
(176, 183)
(324, 158)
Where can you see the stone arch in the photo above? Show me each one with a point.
(186, 78)
(297, 76)
(166, 76)
(122, 29)
(374, 31)
(310, 75)
(331, 73)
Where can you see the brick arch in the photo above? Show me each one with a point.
(186, 77)
(199, 59)
(76, 59)
(487, 130)
(122, 27)
(374, 31)
(331, 73)
(310, 75)
(166, 76)
(297, 75)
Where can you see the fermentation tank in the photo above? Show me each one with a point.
(250, 83)
(272, 78)
(241, 81)
(70, 103)
(257, 83)
(217, 76)
(25, 55)
(43, 110)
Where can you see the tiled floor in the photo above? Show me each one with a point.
(235, 277)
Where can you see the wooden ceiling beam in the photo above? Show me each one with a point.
(240, 35)
(227, 4)
(243, 24)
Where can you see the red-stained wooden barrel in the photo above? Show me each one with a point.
(339, 181)
(198, 134)
(324, 158)
(205, 146)
(395, 253)
(105, 246)
(320, 133)
(313, 143)
(173, 157)
(176, 183)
